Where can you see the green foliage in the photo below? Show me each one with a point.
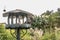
(4, 34)
(48, 36)
(47, 21)
(38, 22)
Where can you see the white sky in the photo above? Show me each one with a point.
(34, 6)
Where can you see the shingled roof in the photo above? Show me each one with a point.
(17, 12)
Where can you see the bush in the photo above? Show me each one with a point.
(49, 36)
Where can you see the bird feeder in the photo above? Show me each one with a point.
(18, 19)
(22, 20)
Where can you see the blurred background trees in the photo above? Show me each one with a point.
(48, 23)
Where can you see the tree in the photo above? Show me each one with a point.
(47, 16)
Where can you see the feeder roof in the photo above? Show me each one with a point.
(17, 12)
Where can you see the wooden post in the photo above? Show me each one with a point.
(8, 19)
(12, 19)
(19, 20)
(18, 31)
(23, 19)
(18, 34)
(16, 19)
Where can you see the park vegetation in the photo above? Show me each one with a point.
(44, 27)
